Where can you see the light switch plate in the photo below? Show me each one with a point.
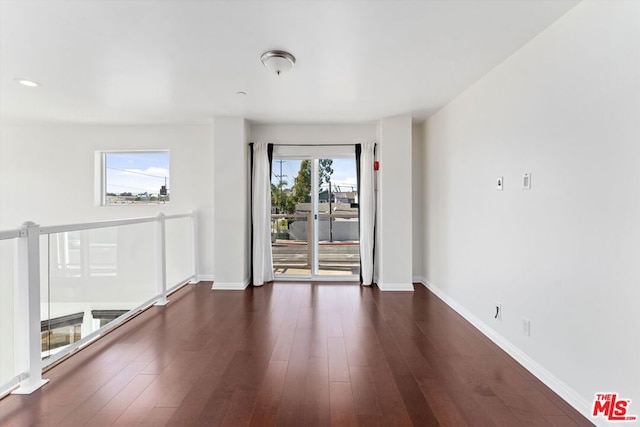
(499, 183)
(526, 181)
(526, 327)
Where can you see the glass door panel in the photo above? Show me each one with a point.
(338, 229)
(291, 219)
(314, 218)
(290, 245)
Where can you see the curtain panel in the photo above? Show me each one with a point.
(261, 256)
(365, 155)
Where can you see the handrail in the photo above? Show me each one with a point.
(302, 215)
(298, 215)
(337, 215)
(178, 216)
(9, 234)
(28, 284)
(52, 229)
(320, 214)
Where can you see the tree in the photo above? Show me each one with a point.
(282, 199)
(325, 170)
(302, 183)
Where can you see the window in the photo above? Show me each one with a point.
(135, 178)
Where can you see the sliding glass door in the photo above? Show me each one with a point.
(337, 225)
(314, 215)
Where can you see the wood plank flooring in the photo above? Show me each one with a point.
(292, 354)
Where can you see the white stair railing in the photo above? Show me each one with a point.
(27, 359)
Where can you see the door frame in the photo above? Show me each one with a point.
(314, 153)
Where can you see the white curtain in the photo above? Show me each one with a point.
(261, 215)
(367, 204)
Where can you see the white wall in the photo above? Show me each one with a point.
(565, 108)
(394, 226)
(231, 220)
(417, 199)
(47, 174)
(314, 134)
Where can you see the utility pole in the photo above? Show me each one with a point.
(163, 191)
(280, 182)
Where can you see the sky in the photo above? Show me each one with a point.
(344, 173)
(137, 172)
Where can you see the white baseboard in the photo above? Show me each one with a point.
(395, 286)
(205, 278)
(229, 286)
(559, 387)
(419, 279)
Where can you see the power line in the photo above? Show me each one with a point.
(280, 182)
(138, 173)
(124, 186)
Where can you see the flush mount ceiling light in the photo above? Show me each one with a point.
(28, 83)
(278, 61)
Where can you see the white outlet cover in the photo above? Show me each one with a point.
(499, 183)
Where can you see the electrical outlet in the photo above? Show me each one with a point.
(497, 311)
(526, 327)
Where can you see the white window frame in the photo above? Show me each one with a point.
(101, 172)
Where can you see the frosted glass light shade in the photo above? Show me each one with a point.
(278, 61)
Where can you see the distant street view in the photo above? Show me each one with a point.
(292, 217)
(136, 178)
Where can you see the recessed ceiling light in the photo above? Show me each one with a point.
(278, 61)
(241, 93)
(28, 83)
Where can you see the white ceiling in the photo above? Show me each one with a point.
(169, 61)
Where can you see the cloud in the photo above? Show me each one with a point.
(157, 171)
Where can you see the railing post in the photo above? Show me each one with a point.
(161, 260)
(194, 248)
(28, 309)
(309, 220)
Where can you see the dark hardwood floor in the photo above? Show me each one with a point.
(292, 354)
